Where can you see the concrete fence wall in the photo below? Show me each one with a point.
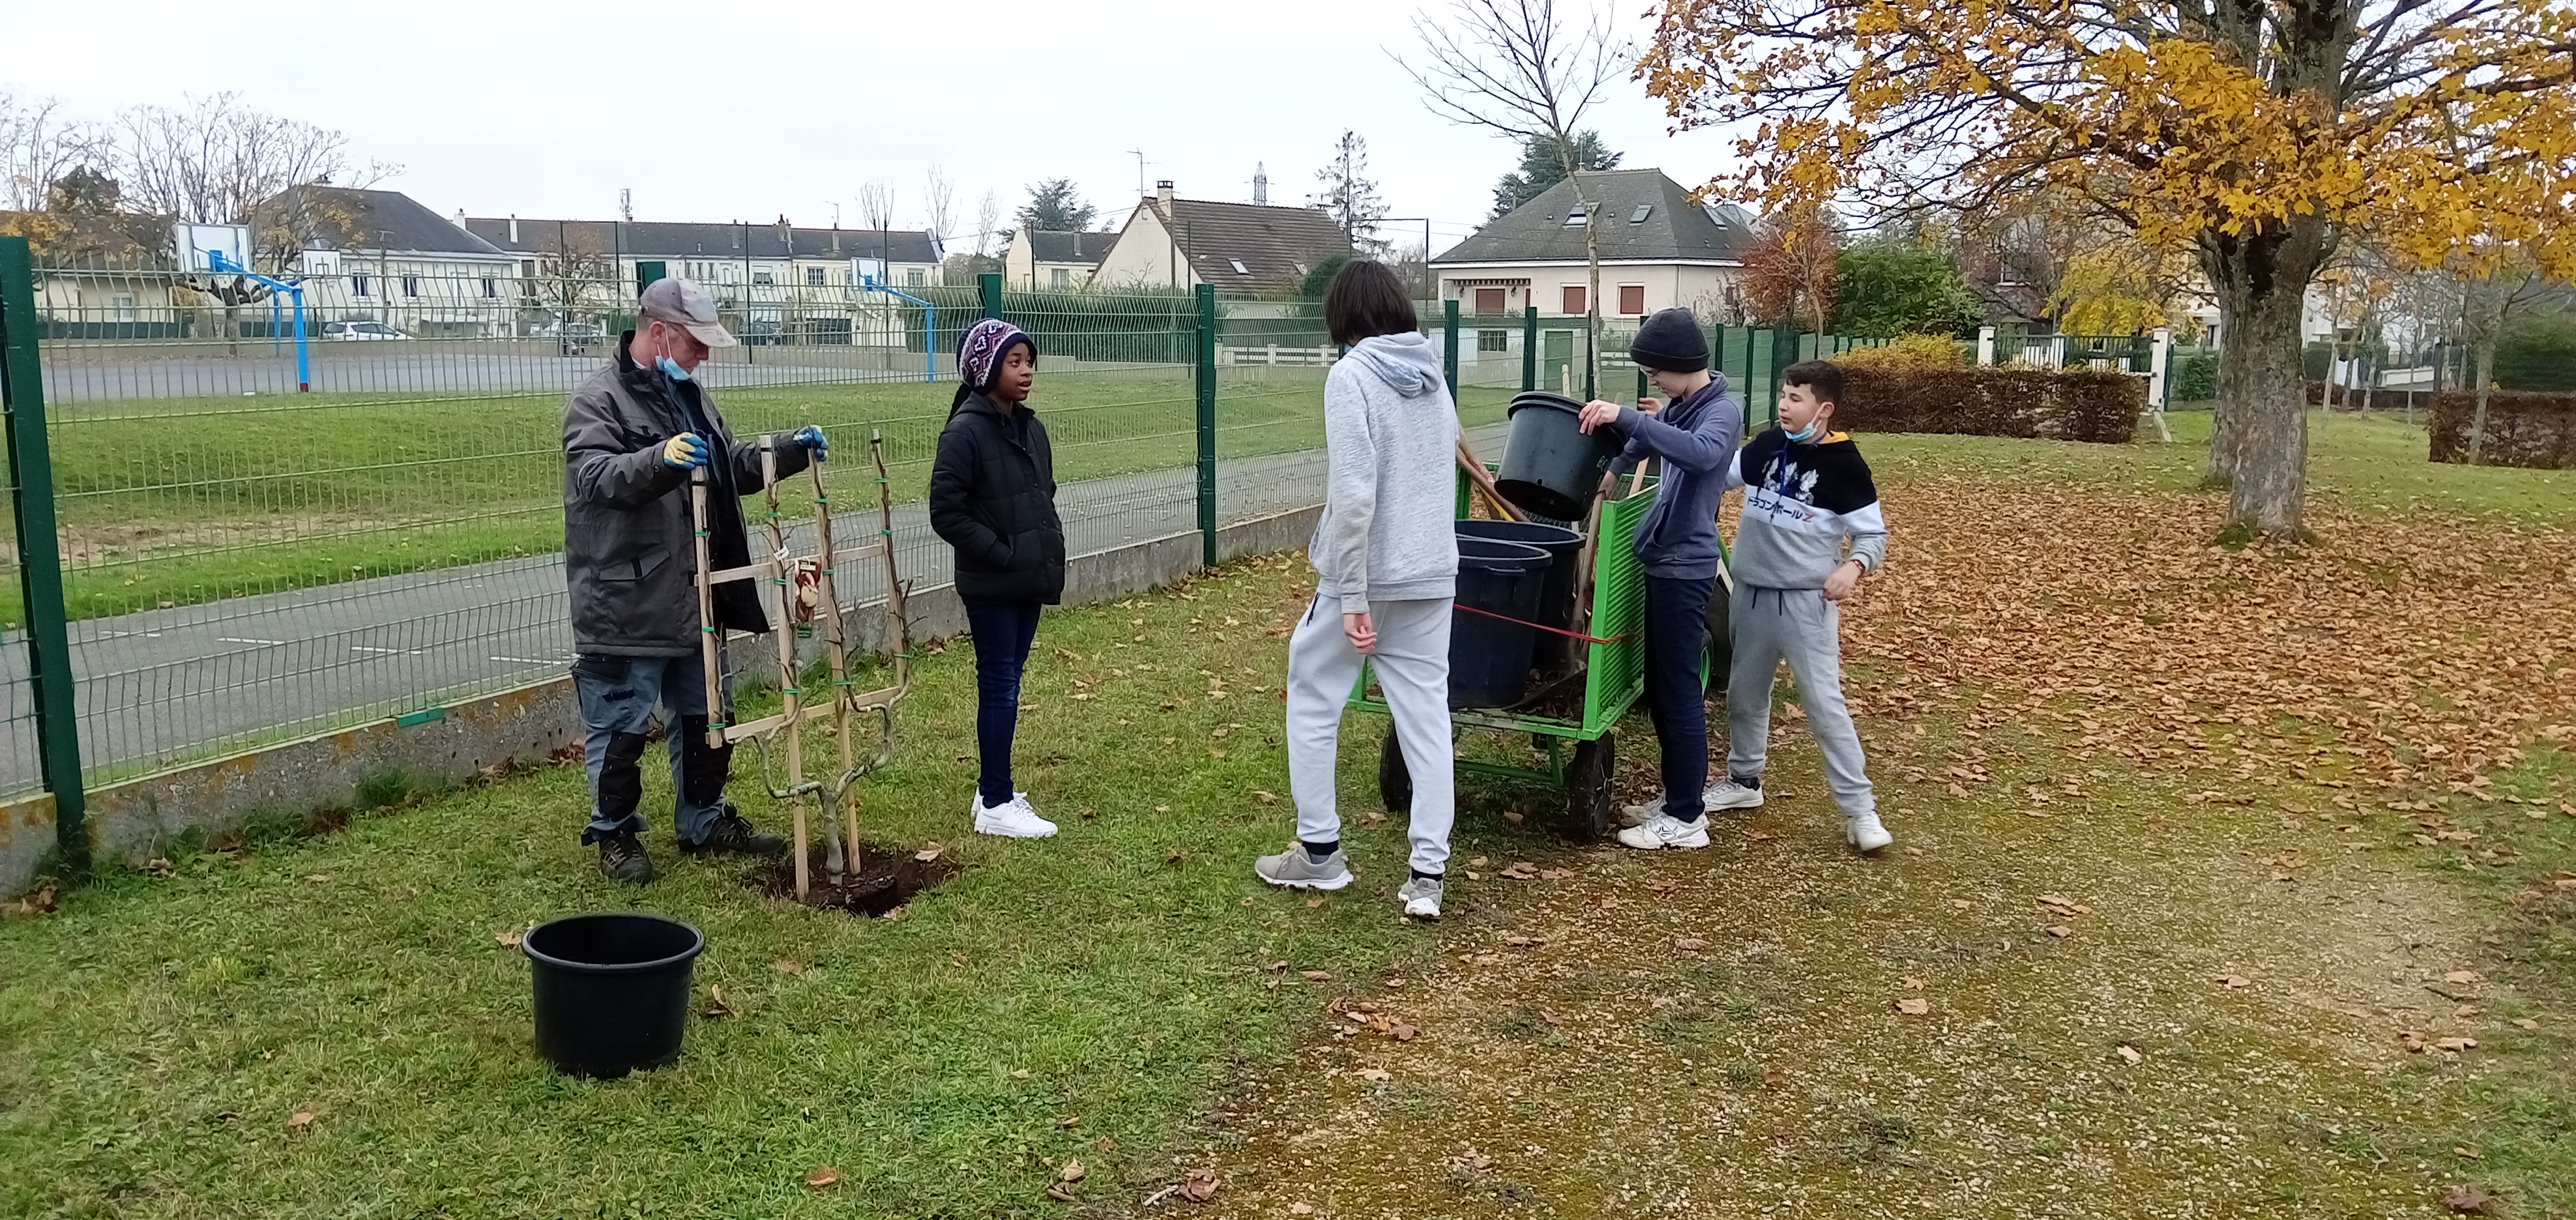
(133, 821)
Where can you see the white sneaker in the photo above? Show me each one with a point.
(1727, 794)
(1663, 830)
(1866, 833)
(1421, 898)
(1012, 821)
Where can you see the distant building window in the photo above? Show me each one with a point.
(1493, 341)
(1639, 216)
(1632, 299)
(1490, 300)
(123, 307)
(1239, 268)
(528, 268)
(358, 286)
(1060, 277)
(1574, 219)
(813, 277)
(411, 285)
(1573, 299)
(914, 277)
(762, 277)
(491, 287)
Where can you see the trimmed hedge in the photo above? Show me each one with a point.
(2527, 428)
(2069, 405)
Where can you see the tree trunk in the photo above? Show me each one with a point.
(2478, 415)
(2260, 446)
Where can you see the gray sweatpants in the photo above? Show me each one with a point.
(1798, 626)
(1413, 672)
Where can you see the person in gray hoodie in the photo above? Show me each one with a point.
(1676, 542)
(1386, 565)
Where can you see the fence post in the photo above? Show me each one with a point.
(1207, 424)
(1449, 346)
(40, 567)
(1529, 349)
(990, 285)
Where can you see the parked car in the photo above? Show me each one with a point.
(572, 337)
(360, 331)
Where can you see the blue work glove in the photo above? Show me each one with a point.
(685, 452)
(811, 437)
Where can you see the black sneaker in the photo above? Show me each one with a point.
(734, 833)
(621, 855)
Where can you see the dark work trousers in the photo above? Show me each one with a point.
(1003, 631)
(1676, 635)
(618, 696)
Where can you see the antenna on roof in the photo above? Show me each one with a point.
(1141, 163)
(626, 203)
(1260, 186)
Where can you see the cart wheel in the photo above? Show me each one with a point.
(1394, 783)
(1588, 777)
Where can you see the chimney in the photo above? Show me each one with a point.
(460, 218)
(514, 228)
(1163, 192)
(786, 235)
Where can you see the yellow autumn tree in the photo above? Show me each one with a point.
(2255, 135)
(2108, 290)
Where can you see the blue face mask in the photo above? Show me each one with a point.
(1802, 435)
(671, 369)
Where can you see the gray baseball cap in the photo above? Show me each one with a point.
(684, 303)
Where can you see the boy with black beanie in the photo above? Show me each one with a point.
(1677, 544)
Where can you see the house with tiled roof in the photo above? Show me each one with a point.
(1043, 261)
(370, 255)
(1245, 249)
(1658, 250)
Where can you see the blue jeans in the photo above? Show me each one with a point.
(1003, 631)
(618, 696)
(1676, 636)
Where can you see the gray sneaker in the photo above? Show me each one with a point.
(1297, 870)
(1421, 898)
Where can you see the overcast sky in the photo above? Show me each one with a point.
(719, 112)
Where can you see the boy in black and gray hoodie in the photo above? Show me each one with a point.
(1806, 490)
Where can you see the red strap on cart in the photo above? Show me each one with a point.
(1589, 639)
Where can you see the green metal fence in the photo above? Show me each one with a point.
(227, 540)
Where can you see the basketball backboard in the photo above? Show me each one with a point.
(194, 242)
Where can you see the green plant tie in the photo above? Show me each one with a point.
(791, 690)
(706, 631)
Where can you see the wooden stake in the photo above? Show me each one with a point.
(785, 629)
(710, 638)
(1483, 480)
(836, 646)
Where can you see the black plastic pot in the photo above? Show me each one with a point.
(1488, 656)
(612, 990)
(1550, 467)
(1549, 651)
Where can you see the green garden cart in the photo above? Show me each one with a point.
(1571, 724)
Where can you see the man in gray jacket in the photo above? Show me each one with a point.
(633, 433)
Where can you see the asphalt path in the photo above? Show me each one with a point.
(164, 686)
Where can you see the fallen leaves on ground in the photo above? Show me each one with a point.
(39, 903)
(2432, 652)
(2468, 1200)
(929, 851)
(509, 939)
(1914, 1007)
(716, 1008)
(2129, 1054)
(789, 965)
(822, 1176)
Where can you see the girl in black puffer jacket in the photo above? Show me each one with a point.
(992, 497)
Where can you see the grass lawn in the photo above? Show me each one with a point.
(2212, 865)
(192, 500)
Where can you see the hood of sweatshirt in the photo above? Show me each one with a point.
(1404, 362)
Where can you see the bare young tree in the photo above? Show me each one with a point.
(2490, 297)
(942, 205)
(1515, 69)
(988, 223)
(876, 204)
(39, 144)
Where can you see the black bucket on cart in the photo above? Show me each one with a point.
(1489, 652)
